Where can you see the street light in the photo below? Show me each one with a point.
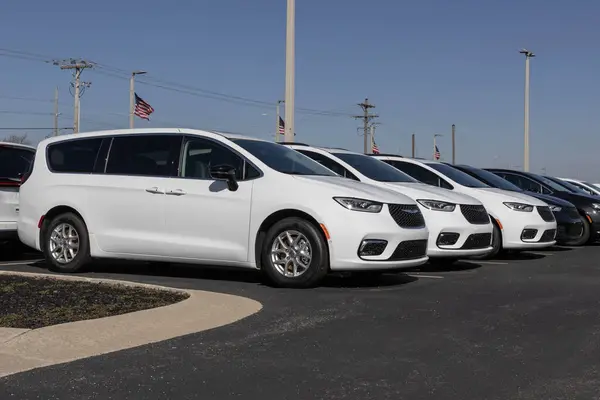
(132, 96)
(290, 44)
(528, 55)
(434, 143)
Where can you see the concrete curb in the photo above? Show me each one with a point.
(26, 349)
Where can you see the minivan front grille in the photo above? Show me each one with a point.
(407, 216)
(409, 250)
(475, 214)
(545, 213)
(572, 212)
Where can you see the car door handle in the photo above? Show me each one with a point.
(176, 192)
(154, 190)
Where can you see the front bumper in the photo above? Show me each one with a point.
(514, 227)
(472, 240)
(348, 233)
(569, 225)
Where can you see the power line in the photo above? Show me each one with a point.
(119, 73)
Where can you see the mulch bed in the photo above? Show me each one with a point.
(30, 302)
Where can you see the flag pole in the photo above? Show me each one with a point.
(132, 97)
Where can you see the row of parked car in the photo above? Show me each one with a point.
(294, 211)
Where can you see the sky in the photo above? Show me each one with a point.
(424, 64)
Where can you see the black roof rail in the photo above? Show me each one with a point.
(296, 143)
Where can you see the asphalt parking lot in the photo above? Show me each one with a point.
(522, 327)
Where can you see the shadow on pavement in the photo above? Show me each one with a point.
(554, 249)
(364, 281)
(242, 275)
(448, 267)
(521, 256)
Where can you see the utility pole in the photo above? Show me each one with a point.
(413, 145)
(290, 65)
(56, 111)
(453, 144)
(77, 65)
(366, 117)
(528, 56)
(277, 133)
(132, 97)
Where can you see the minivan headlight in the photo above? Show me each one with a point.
(519, 207)
(354, 204)
(437, 205)
(555, 208)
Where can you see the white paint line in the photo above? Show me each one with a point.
(488, 262)
(24, 262)
(416, 275)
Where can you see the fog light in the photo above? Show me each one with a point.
(447, 238)
(528, 234)
(372, 247)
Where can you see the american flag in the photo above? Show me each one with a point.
(142, 109)
(436, 154)
(281, 126)
(374, 148)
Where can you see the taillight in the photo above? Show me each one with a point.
(9, 183)
(24, 178)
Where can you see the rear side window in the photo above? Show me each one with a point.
(73, 156)
(144, 155)
(329, 163)
(14, 162)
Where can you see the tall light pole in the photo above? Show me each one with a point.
(290, 44)
(528, 55)
(435, 144)
(132, 97)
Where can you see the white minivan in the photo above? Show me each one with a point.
(15, 161)
(190, 196)
(458, 224)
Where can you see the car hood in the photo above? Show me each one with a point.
(423, 191)
(506, 195)
(555, 201)
(339, 186)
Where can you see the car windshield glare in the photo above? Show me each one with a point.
(283, 159)
(553, 185)
(493, 179)
(458, 176)
(373, 168)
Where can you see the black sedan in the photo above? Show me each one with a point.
(568, 220)
(588, 206)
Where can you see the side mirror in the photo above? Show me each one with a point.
(225, 173)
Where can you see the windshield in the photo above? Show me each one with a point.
(283, 159)
(553, 185)
(458, 176)
(491, 179)
(374, 169)
(14, 162)
(569, 186)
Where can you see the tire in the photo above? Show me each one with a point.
(584, 238)
(74, 227)
(304, 233)
(496, 244)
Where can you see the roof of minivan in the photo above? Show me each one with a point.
(19, 145)
(141, 131)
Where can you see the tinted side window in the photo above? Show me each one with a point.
(524, 183)
(199, 155)
(329, 163)
(419, 173)
(145, 155)
(73, 156)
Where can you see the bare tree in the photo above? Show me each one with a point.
(20, 139)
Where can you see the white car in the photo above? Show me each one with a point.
(520, 221)
(190, 196)
(459, 225)
(587, 187)
(15, 162)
